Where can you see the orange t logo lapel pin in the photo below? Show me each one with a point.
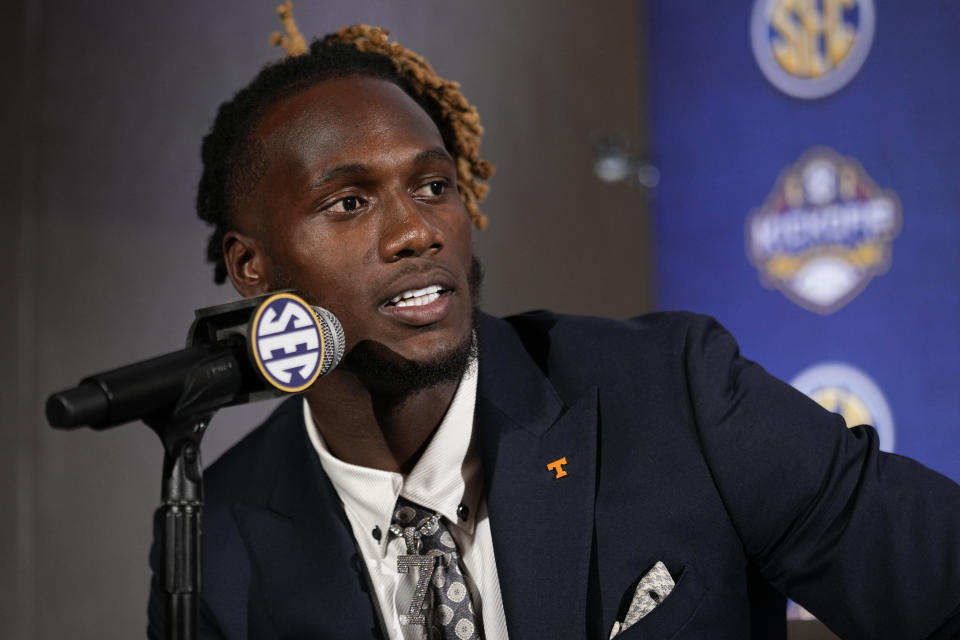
(557, 465)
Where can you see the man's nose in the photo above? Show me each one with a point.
(410, 229)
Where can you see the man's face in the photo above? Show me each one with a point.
(358, 209)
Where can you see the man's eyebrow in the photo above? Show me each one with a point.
(357, 169)
(430, 155)
(343, 171)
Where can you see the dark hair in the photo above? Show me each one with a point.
(234, 162)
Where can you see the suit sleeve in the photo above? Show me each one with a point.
(867, 541)
(156, 607)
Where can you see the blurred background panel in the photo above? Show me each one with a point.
(809, 198)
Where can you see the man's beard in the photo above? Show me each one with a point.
(385, 373)
(388, 374)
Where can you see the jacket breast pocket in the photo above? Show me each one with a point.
(671, 616)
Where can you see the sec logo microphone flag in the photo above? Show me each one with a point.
(287, 342)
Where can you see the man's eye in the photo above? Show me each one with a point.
(346, 205)
(432, 189)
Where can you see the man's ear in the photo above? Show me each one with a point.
(247, 264)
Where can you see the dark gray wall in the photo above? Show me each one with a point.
(104, 107)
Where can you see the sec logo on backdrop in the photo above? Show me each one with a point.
(844, 389)
(810, 48)
(824, 232)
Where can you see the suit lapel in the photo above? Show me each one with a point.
(308, 578)
(542, 524)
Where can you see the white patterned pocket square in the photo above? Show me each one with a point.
(652, 589)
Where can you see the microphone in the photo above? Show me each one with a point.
(237, 352)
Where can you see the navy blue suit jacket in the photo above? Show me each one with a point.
(678, 450)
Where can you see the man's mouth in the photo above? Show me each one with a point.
(417, 297)
(420, 306)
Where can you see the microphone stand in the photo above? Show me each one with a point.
(181, 431)
(206, 389)
(182, 497)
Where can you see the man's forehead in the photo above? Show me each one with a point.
(344, 111)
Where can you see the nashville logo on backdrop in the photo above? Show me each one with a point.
(844, 389)
(811, 48)
(824, 232)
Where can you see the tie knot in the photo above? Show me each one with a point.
(422, 530)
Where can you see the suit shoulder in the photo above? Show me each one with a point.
(576, 352)
(657, 331)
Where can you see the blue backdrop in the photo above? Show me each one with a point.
(724, 134)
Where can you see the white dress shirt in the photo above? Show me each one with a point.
(446, 476)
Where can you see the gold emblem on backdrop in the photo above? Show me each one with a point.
(824, 232)
(845, 402)
(811, 48)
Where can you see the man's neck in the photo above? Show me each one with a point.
(374, 429)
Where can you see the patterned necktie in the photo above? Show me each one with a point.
(441, 600)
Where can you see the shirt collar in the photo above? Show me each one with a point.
(447, 474)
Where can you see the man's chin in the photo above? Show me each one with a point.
(384, 372)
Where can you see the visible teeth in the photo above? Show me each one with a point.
(419, 301)
(416, 293)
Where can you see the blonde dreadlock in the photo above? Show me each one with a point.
(293, 43)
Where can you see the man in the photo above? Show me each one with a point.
(594, 477)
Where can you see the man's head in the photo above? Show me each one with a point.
(233, 161)
(351, 177)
